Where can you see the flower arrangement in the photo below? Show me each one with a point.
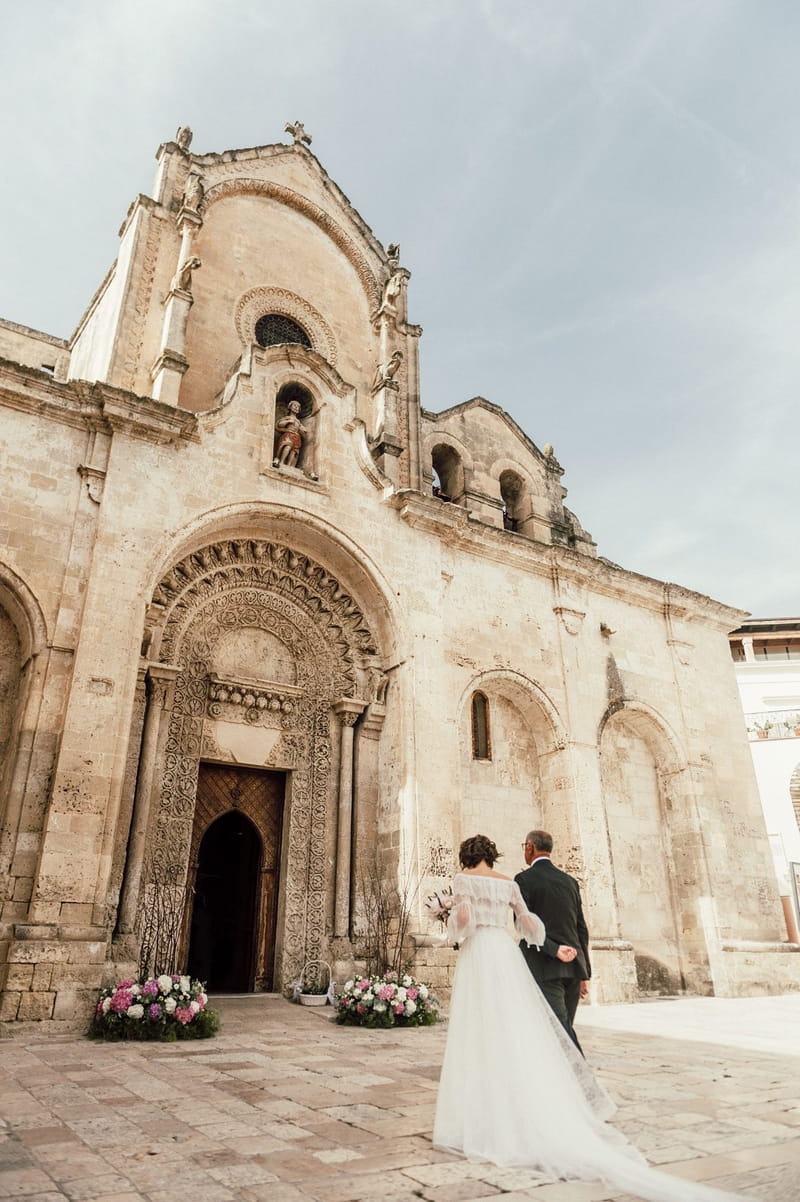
(168, 1007)
(386, 1001)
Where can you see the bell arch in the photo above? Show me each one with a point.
(268, 661)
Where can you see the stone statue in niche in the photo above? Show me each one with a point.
(385, 373)
(182, 280)
(183, 137)
(193, 193)
(292, 437)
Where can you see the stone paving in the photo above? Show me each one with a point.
(287, 1107)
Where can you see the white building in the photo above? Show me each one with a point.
(766, 652)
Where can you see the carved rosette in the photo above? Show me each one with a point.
(256, 584)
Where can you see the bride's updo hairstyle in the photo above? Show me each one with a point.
(478, 848)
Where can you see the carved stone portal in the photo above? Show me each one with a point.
(289, 601)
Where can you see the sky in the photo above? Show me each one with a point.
(597, 200)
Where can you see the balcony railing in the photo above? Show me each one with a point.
(773, 724)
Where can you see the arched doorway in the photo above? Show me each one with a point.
(223, 935)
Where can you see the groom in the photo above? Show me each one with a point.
(556, 898)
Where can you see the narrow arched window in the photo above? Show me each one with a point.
(481, 738)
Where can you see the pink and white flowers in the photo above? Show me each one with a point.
(170, 1006)
(386, 1001)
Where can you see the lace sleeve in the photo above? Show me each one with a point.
(461, 923)
(528, 925)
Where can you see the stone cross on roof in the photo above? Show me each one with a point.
(298, 132)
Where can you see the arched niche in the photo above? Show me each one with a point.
(515, 787)
(23, 636)
(651, 847)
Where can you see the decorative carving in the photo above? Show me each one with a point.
(193, 193)
(183, 137)
(297, 130)
(253, 583)
(393, 255)
(258, 301)
(293, 200)
(182, 280)
(274, 571)
(257, 704)
(385, 373)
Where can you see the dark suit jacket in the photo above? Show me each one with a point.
(556, 897)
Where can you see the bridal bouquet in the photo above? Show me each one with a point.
(172, 1006)
(438, 904)
(387, 1001)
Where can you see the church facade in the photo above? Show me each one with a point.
(274, 637)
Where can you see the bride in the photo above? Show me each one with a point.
(514, 1090)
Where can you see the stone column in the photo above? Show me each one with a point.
(160, 678)
(347, 710)
(171, 363)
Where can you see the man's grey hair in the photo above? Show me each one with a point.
(540, 841)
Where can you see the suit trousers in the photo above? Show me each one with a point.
(562, 995)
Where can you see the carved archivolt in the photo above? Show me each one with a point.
(269, 568)
(255, 584)
(301, 204)
(258, 301)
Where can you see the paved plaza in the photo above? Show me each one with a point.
(285, 1106)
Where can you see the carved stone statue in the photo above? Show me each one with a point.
(183, 137)
(193, 193)
(393, 255)
(297, 130)
(182, 280)
(391, 292)
(385, 373)
(292, 434)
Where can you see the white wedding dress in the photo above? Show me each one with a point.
(514, 1090)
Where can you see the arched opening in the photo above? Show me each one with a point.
(449, 471)
(223, 935)
(273, 329)
(512, 491)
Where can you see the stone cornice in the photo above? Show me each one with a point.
(79, 403)
(568, 568)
